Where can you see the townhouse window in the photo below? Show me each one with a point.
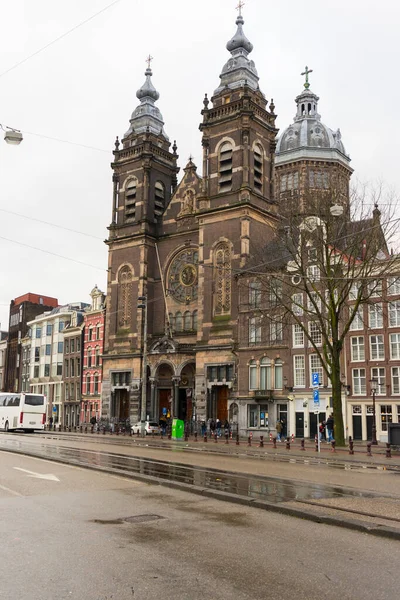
(316, 367)
(375, 288)
(38, 332)
(357, 348)
(298, 336)
(393, 286)
(297, 304)
(61, 326)
(66, 368)
(47, 370)
(299, 371)
(254, 330)
(377, 347)
(90, 333)
(88, 385)
(314, 302)
(98, 328)
(283, 183)
(67, 392)
(386, 416)
(394, 314)
(72, 346)
(375, 315)
(252, 375)
(60, 347)
(72, 367)
(359, 382)
(48, 350)
(66, 347)
(394, 346)
(78, 366)
(276, 331)
(36, 371)
(59, 368)
(72, 395)
(49, 329)
(96, 384)
(275, 291)
(278, 374)
(255, 294)
(358, 321)
(396, 381)
(253, 415)
(315, 333)
(313, 273)
(378, 373)
(97, 356)
(78, 344)
(354, 290)
(265, 374)
(89, 357)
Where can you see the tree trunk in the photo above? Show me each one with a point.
(337, 401)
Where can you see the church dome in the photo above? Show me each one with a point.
(239, 40)
(307, 137)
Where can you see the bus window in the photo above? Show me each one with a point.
(34, 400)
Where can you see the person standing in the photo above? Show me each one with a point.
(278, 428)
(329, 428)
(218, 428)
(322, 437)
(212, 427)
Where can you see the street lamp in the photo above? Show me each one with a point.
(142, 303)
(12, 136)
(374, 388)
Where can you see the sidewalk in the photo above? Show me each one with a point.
(220, 447)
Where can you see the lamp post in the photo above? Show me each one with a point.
(12, 136)
(142, 303)
(374, 388)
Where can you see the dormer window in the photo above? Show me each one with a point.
(130, 200)
(159, 199)
(258, 168)
(225, 167)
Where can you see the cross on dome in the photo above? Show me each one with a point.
(148, 60)
(306, 73)
(239, 7)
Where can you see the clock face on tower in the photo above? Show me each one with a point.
(182, 276)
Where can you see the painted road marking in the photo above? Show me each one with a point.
(6, 489)
(49, 477)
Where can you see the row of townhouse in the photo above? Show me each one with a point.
(276, 364)
(60, 356)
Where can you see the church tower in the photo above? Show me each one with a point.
(312, 165)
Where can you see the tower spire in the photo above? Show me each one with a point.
(307, 71)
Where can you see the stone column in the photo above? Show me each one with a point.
(153, 402)
(175, 381)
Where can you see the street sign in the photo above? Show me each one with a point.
(316, 398)
(54, 408)
(315, 379)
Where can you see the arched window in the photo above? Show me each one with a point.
(258, 168)
(225, 166)
(87, 385)
(178, 321)
(195, 320)
(89, 357)
(125, 297)
(90, 333)
(222, 266)
(98, 329)
(187, 321)
(130, 200)
(252, 375)
(97, 356)
(278, 367)
(159, 199)
(265, 374)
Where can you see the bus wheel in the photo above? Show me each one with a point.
(6, 426)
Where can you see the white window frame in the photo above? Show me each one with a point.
(299, 370)
(375, 315)
(379, 374)
(253, 369)
(395, 380)
(298, 336)
(313, 273)
(394, 340)
(276, 331)
(297, 304)
(254, 330)
(375, 288)
(359, 375)
(358, 321)
(357, 348)
(255, 294)
(377, 347)
(394, 313)
(393, 286)
(317, 298)
(314, 331)
(316, 367)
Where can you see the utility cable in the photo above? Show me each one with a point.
(60, 37)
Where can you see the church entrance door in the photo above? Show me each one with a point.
(219, 403)
(164, 397)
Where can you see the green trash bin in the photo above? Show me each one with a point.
(178, 429)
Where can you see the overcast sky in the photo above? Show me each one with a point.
(82, 90)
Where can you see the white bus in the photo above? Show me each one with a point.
(22, 411)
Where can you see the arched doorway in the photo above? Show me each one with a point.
(164, 376)
(186, 400)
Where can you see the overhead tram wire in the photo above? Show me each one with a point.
(60, 37)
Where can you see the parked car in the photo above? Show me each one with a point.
(150, 428)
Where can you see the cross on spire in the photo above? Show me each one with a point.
(239, 7)
(306, 73)
(148, 60)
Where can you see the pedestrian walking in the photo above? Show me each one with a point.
(212, 427)
(227, 427)
(203, 428)
(329, 428)
(278, 428)
(51, 423)
(218, 428)
(283, 432)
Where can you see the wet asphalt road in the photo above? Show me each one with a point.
(73, 533)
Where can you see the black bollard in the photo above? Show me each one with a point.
(237, 439)
(388, 451)
(274, 442)
(195, 436)
(369, 447)
(85, 429)
(226, 437)
(302, 444)
(261, 441)
(205, 437)
(249, 440)
(288, 444)
(351, 445)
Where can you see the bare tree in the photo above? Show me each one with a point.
(328, 260)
